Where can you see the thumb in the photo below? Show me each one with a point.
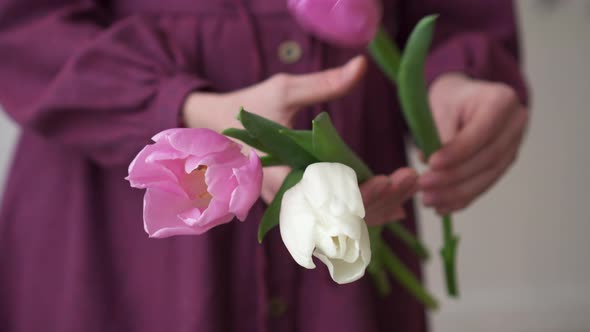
(308, 89)
(447, 122)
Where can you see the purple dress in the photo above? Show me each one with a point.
(89, 82)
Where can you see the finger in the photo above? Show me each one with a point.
(271, 181)
(421, 157)
(482, 160)
(390, 208)
(383, 195)
(373, 188)
(447, 122)
(384, 211)
(403, 186)
(404, 183)
(403, 178)
(308, 89)
(479, 130)
(457, 197)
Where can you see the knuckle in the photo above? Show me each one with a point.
(514, 157)
(462, 205)
(502, 95)
(523, 119)
(280, 82)
(452, 175)
(504, 92)
(329, 82)
(495, 152)
(461, 196)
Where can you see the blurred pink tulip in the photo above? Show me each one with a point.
(196, 179)
(349, 23)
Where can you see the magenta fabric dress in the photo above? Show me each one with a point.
(89, 82)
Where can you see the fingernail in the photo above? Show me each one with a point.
(350, 68)
(407, 182)
(427, 180)
(428, 199)
(398, 214)
(436, 161)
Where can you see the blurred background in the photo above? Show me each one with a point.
(524, 251)
(523, 257)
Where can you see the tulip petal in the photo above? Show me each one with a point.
(215, 215)
(326, 243)
(351, 23)
(249, 178)
(365, 244)
(323, 182)
(297, 226)
(196, 141)
(165, 151)
(349, 225)
(221, 183)
(190, 217)
(183, 198)
(160, 214)
(343, 272)
(143, 172)
(228, 158)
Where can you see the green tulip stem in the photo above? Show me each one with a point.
(448, 253)
(407, 73)
(398, 229)
(386, 54)
(298, 149)
(404, 275)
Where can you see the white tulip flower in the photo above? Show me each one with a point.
(322, 216)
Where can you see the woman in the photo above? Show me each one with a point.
(90, 82)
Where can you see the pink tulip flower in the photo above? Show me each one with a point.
(349, 23)
(196, 179)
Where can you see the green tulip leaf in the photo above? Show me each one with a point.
(405, 277)
(304, 138)
(386, 54)
(409, 239)
(412, 89)
(270, 219)
(269, 161)
(245, 137)
(413, 95)
(328, 146)
(276, 144)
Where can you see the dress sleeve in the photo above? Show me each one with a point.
(102, 87)
(478, 38)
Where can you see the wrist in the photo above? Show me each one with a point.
(209, 110)
(449, 80)
(446, 85)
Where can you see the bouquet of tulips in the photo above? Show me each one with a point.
(353, 23)
(197, 179)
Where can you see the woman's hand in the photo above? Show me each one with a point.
(384, 195)
(481, 125)
(279, 99)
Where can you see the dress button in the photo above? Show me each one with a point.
(277, 307)
(289, 52)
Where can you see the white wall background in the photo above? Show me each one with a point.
(8, 135)
(524, 264)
